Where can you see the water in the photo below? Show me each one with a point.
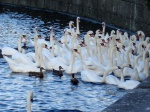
(50, 93)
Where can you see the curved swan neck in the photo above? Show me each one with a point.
(107, 72)
(137, 58)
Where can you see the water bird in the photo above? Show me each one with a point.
(74, 80)
(37, 74)
(58, 72)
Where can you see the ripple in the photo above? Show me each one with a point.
(50, 93)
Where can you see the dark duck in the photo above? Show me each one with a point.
(74, 81)
(37, 74)
(58, 72)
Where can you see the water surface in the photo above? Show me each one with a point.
(50, 93)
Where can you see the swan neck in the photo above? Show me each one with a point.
(73, 59)
(128, 57)
(36, 51)
(41, 57)
(19, 44)
(52, 45)
(78, 31)
(111, 57)
(29, 98)
(107, 72)
(137, 58)
(122, 76)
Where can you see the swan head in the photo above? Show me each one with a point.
(98, 31)
(103, 24)
(90, 33)
(140, 34)
(102, 44)
(118, 40)
(76, 50)
(71, 24)
(113, 32)
(60, 42)
(50, 27)
(78, 18)
(126, 65)
(118, 49)
(147, 39)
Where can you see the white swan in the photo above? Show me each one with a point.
(21, 67)
(11, 51)
(74, 66)
(128, 84)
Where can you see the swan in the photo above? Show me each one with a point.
(140, 76)
(29, 99)
(54, 62)
(24, 58)
(141, 35)
(40, 40)
(128, 84)
(21, 67)
(127, 71)
(74, 67)
(110, 79)
(90, 76)
(11, 51)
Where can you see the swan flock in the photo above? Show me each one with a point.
(99, 57)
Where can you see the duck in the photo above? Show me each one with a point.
(58, 72)
(74, 80)
(29, 99)
(37, 74)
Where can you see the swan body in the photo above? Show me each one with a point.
(89, 76)
(8, 51)
(15, 67)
